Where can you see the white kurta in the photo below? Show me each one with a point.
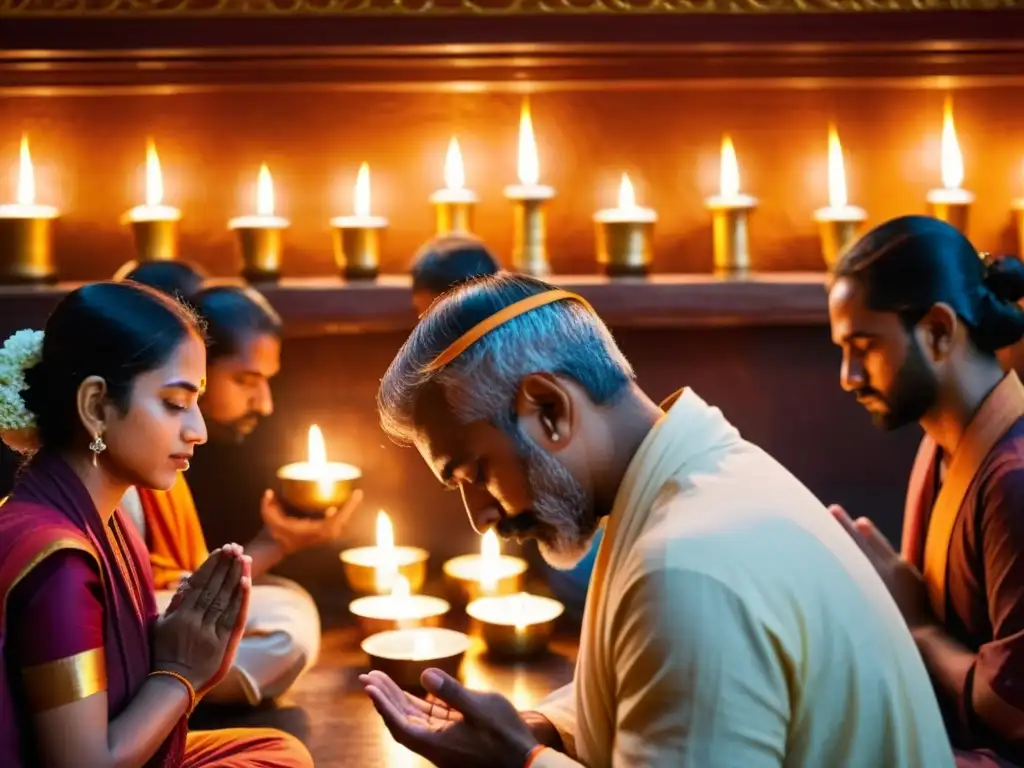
(732, 623)
(282, 633)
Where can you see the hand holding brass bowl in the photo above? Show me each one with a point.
(515, 626)
(309, 490)
(405, 654)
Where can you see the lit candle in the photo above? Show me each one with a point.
(357, 237)
(839, 222)
(624, 235)
(515, 625)
(489, 573)
(154, 225)
(374, 570)
(309, 488)
(729, 212)
(26, 230)
(951, 203)
(454, 205)
(259, 236)
(529, 197)
(405, 654)
(399, 610)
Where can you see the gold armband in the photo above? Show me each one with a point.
(66, 680)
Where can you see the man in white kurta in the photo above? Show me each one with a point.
(730, 621)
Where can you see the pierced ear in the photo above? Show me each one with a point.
(940, 326)
(545, 409)
(92, 402)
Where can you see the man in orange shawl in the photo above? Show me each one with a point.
(919, 317)
(282, 637)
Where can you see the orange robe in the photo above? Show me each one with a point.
(964, 529)
(174, 536)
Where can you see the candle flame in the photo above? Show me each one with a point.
(26, 175)
(952, 159)
(529, 163)
(729, 178)
(316, 454)
(154, 178)
(317, 451)
(490, 556)
(518, 609)
(627, 197)
(401, 587)
(836, 171)
(265, 192)
(362, 192)
(386, 573)
(422, 646)
(454, 172)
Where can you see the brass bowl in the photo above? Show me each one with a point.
(360, 567)
(308, 491)
(463, 590)
(372, 613)
(392, 652)
(506, 639)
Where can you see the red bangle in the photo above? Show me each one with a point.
(531, 756)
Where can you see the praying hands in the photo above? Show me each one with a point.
(452, 727)
(903, 580)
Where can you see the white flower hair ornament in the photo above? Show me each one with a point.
(17, 423)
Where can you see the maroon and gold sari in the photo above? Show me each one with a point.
(76, 606)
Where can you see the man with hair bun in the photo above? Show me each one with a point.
(730, 623)
(920, 317)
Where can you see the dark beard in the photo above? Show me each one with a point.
(913, 394)
(233, 432)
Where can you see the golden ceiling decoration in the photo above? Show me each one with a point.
(278, 8)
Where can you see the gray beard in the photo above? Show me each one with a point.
(564, 509)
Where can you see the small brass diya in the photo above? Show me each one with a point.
(515, 626)
(310, 489)
(373, 570)
(469, 577)
(405, 654)
(399, 610)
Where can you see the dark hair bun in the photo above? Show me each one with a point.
(1004, 276)
(34, 395)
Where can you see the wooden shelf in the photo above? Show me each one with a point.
(325, 306)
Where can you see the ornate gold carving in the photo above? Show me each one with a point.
(271, 8)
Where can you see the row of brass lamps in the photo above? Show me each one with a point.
(401, 629)
(624, 233)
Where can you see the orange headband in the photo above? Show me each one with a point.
(499, 318)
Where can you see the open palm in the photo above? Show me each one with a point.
(430, 714)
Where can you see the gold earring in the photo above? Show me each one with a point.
(97, 446)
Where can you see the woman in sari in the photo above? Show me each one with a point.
(91, 676)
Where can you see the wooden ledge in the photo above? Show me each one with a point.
(326, 306)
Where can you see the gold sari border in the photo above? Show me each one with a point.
(54, 546)
(65, 681)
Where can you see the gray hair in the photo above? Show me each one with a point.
(563, 338)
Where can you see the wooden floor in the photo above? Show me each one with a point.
(329, 712)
